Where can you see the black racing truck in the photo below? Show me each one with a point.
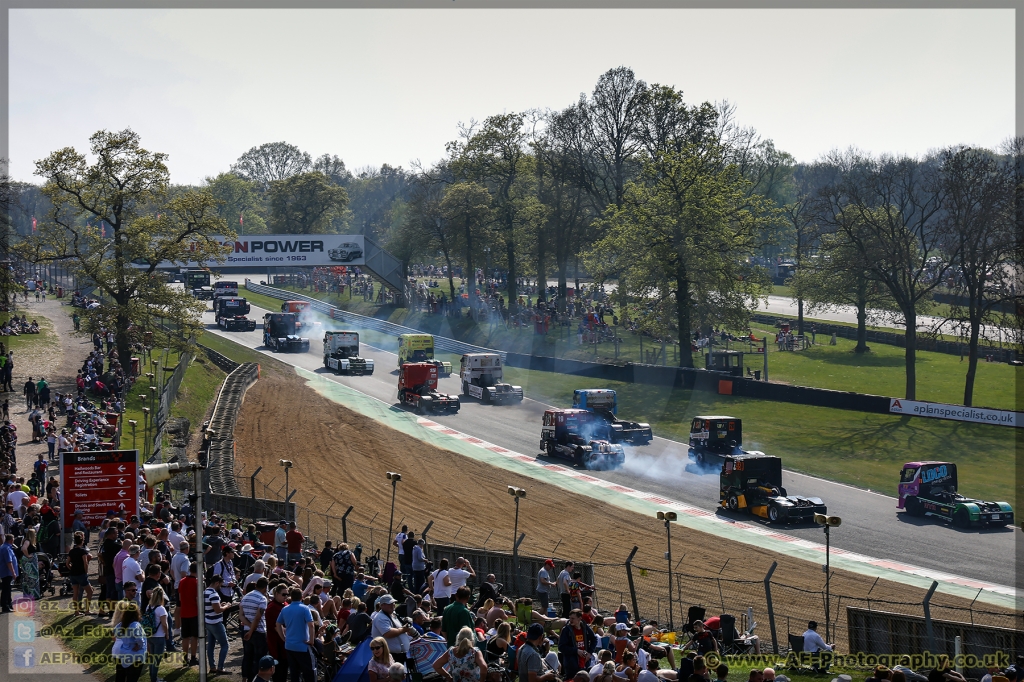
(713, 438)
(230, 313)
(279, 333)
(603, 402)
(752, 483)
(581, 437)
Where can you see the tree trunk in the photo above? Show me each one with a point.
(542, 279)
(910, 316)
(469, 276)
(862, 317)
(563, 288)
(510, 253)
(683, 318)
(972, 359)
(123, 340)
(451, 278)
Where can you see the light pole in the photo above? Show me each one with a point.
(133, 424)
(518, 494)
(394, 478)
(145, 433)
(668, 517)
(828, 522)
(287, 464)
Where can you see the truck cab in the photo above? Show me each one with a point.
(752, 483)
(417, 387)
(198, 282)
(580, 436)
(225, 288)
(420, 348)
(230, 313)
(280, 333)
(482, 377)
(931, 489)
(341, 353)
(603, 402)
(712, 437)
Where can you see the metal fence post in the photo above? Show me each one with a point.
(344, 524)
(929, 631)
(771, 609)
(252, 482)
(629, 579)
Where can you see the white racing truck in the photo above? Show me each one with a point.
(481, 375)
(341, 353)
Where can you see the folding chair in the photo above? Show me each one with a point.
(693, 614)
(729, 644)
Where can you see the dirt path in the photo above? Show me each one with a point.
(340, 459)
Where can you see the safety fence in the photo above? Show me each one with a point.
(218, 439)
(441, 343)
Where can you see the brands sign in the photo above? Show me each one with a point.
(96, 482)
(961, 413)
(319, 250)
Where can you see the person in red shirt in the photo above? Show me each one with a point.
(294, 540)
(275, 647)
(188, 612)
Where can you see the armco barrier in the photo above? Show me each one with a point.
(441, 343)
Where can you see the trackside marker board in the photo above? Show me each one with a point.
(98, 481)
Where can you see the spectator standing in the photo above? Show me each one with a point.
(275, 645)
(8, 572)
(129, 645)
(385, 624)
(252, 612)
(532, 666)
(29, 391)
(399, 542)
(440, 584)
(460, 575)
(161, 629)
(419, 566)
(216, 633)
(78, 573)
(576, 643)
(562, 583)
(295, 628)
(293, 543)
(343, 569)
(457, 615)
(544, 582)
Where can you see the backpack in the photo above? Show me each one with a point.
(149, 622)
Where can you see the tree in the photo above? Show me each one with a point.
(979, 227)
(376, 200)
(890, 209)
(685, 230)
(840, 276)
(429, 219)
(305, 203)
(497, 157)
(271, 161)
(112, 222)
(333, 168)
(238, 202)
(466, 206)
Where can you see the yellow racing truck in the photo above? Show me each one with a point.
(420, 348)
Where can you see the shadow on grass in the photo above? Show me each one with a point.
(851, 359)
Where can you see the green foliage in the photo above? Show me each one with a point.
(112, 222)
(239, 202)
(305, 203)
(270, 162)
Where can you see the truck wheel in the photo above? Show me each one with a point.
(550, 449)
(774, 515)
(961, 519)
(325, 363)
(913, 506)
(465, 388)
(733, 502)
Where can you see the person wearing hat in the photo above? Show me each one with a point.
(532, 667)
(544, 582)
(267, 668)
(622, 642)
(386, 624)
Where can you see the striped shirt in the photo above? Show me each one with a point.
(210, 597)
(250, 604)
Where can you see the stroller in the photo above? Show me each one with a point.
(61, 564)
(46, 574)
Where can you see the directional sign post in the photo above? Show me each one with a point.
(96, 482)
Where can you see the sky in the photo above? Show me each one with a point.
(377, 86)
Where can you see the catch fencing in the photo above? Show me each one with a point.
(167, 398)
(441, 343)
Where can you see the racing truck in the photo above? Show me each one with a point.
(230, 313)
(341, 353)
(604, 403)
(481, 375)
(580, 436)
(197, 281)
(930, 489)
(225, 288)
(417, 388)
(752, 483)
(420, 348)
(713, 438)
(279, 333)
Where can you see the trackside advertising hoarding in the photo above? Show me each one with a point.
(317, 250)
(960, 413)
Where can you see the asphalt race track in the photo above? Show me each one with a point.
(871, 524)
